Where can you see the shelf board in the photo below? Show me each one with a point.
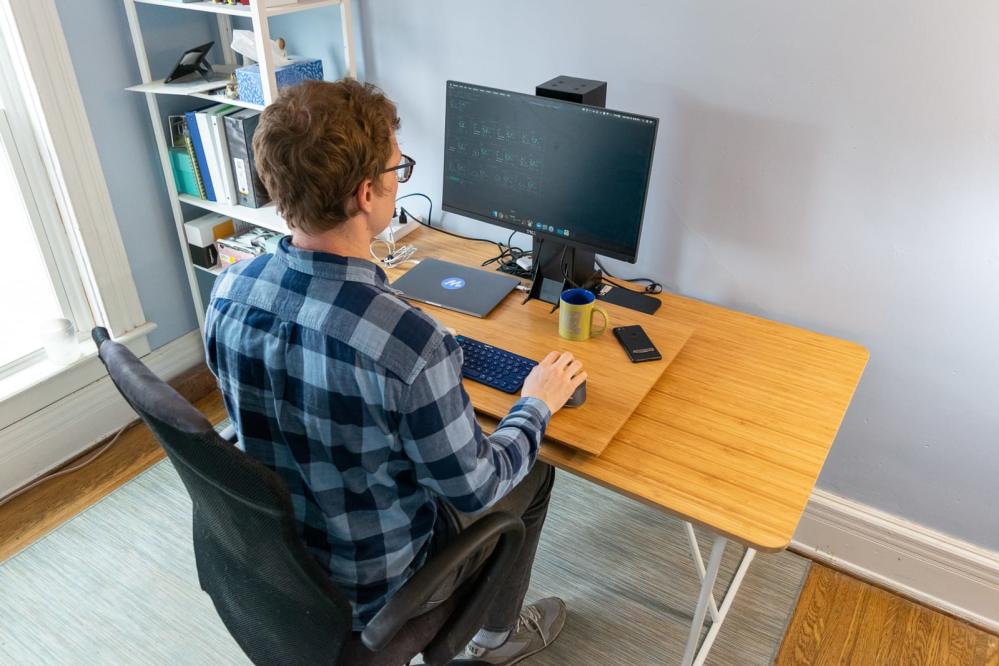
(301, 6)
(265, 216)
(204, 6)
(222, 99)
(209, 90)
(185, 87)
(202, 90)
(240, 10)
(214, 270)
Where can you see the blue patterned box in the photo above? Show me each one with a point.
(248, 78)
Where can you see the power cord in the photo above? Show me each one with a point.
(652, 287)
(63, 472)
(404, 216)
(508, 258)
(430, 212)
(395, 255)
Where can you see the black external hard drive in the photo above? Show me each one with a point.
(627, 298)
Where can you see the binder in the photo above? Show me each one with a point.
(199, 153)
(208, 144)
(239, 129)
(220, 143)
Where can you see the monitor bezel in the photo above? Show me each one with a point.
(602, 251)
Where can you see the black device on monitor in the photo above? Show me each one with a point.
(573, 176)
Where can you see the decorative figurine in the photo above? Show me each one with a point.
(232, 87)
(282, 53)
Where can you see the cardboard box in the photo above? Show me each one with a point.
(300, 69)
(205, 230)
(201, 234)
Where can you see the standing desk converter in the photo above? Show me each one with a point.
(731, 437)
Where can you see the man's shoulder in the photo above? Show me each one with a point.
(396, 335)
(371, 320)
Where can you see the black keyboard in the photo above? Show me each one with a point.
(493, 366)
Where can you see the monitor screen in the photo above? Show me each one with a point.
(575, 173)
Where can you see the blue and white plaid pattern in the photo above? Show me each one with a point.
(354, 397)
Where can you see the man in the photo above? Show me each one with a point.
(353, 396)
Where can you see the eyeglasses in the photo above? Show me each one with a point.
(405, 170)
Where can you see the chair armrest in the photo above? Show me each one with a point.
(405, 603)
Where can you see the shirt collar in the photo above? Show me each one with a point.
(331, 266)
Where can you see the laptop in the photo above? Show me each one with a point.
(455, 287)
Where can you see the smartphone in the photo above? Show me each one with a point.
(636, 344)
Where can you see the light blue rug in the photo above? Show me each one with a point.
(117, 585)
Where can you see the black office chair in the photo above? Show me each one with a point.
(274, 598)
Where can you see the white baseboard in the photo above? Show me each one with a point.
(49, 437)
(930, 567)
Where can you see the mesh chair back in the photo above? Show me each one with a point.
(275, 600)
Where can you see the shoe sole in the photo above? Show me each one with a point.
(466, 662)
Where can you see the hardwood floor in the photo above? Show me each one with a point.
(838, 620)
(34, 514)
(842, 620)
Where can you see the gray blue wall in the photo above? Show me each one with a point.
(831, 166)
(101, 48)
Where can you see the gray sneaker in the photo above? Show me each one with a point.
(538, 625)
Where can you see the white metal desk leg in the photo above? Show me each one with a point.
(733, 589)
(707, 587)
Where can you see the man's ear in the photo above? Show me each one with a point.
(365, 195)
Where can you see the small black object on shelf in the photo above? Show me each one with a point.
(193, 61)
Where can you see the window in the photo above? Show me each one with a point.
(68, 259)
(36, 285)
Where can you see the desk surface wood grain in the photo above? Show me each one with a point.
(614, 388)
(735, 432)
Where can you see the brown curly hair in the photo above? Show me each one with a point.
(316, 143)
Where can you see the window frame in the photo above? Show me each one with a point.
(48, 107)
(43, 217)
(53, 106)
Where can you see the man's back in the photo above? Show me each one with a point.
(354, 398)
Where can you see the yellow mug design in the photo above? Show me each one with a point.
(575, 315)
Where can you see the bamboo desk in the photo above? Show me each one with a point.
(732, 437)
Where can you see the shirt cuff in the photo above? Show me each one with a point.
(537, 407)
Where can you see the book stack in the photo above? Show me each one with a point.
(219, 142)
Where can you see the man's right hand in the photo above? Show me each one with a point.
(554, 380)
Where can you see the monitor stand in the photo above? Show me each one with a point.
(557, 267)
(553, 262)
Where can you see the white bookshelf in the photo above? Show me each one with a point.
(265, 216)
(215, 270)
(258, 12)
(208, 90)
(241, 10)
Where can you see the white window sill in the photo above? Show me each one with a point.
(39, 384)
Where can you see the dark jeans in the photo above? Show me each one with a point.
(527, 500)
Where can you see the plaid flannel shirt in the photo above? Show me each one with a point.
(355, 399)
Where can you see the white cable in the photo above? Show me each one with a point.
(396, 255)
(63, 472)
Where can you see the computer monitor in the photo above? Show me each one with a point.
(573, 176)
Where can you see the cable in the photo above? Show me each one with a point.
(652, 287)
(562, 265)
(508, 257)
(510, 267)
(395, 256)
(62, 472)
(430, 212)
(449, 233)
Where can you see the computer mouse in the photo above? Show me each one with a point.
(578, 396)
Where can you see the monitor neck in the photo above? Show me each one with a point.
(557, 267)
